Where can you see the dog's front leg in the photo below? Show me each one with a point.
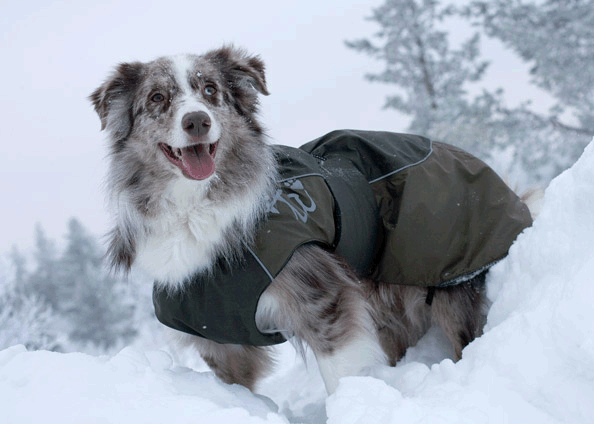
(318, 300)
(232, 363)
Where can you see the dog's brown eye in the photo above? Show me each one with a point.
(157, 97)
(210, 90)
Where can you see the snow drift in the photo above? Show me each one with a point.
(535, 362)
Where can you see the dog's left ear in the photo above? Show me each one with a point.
(242, 70)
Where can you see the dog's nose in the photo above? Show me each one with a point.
(196, 123)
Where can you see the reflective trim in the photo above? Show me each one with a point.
(313, 174)
(260, 263)
(407, 166)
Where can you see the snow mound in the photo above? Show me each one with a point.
(535, 362)
(131, 386)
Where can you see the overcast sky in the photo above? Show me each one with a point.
(56, 53)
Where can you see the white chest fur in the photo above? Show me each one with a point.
(184, 236)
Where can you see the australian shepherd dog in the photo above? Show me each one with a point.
(190, 174)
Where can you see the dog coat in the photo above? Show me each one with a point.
(397, 208)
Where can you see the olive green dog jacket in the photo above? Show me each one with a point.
(398, 208)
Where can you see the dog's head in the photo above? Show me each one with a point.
(179, 110)
(188, 119)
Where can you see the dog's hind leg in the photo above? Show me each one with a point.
(320, 302)
(353, 357)
(401, 316)
(461, 312)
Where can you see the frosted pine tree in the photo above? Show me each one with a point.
(429, 75)
(98, 306)
(430, 79)
(19, 264)
(25, 318)
(556, 37)
(44, 282)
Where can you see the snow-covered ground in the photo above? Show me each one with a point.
(534, 364)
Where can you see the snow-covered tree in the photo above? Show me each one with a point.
(80, 262)
(556, 37)
(19, 264)
(44, 280)
(24, 317)
(100, 310)
(69, 301)
(431, 78)
(430, 75)
(28, 320)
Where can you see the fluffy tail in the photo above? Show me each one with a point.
(534, 199)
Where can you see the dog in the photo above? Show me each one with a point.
(191, 181)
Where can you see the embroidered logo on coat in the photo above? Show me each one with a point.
(294, 195)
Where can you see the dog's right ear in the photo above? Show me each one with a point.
(113, 100)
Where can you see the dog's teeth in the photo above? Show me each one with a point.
(179, 152)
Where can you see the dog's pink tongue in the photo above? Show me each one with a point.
(197, 163)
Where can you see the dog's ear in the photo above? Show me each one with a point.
(113, 100)
(242, 70)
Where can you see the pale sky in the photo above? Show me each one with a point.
(56, 53)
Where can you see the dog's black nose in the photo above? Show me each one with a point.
(196, 123)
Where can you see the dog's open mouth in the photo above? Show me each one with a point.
(195, 162)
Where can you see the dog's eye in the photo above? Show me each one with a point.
(158, 98)
(210, 90)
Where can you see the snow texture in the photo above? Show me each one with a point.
(535, 362)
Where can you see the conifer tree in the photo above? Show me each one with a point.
(431, 77)
(429, 74)
(44, 281)
(98, 306)
(556, 37)
(25, 318)
(20, 266)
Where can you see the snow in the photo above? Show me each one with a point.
(129, 387)
(535, 362)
